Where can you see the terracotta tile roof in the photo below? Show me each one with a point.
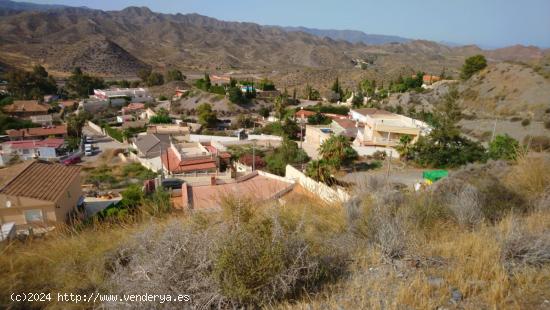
(304, 113)
(430, 78)
(224, 155)
(38, 132)
(31, 144)
(19, 106)
(259, 188)
(346, 123)
(41, 180)
(133, 107)
(171, 161)
(335, 116)
(371, 111)
(8, 173)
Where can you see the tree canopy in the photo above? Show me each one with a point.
(472, 65)
(162, 117)
(337, 151)
(30, 85)
(287, 153)
(81, 84)
(445, 147)
(207, 116)
(175, 75)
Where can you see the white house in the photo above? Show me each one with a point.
(122, 94)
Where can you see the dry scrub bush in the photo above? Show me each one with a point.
(530, 177)
(375, 217)
(520, 247)
(244, 258)
(61, 262)
(543, 202)
(261, 264)
(463, 200)
(476, 193)
(172, 260)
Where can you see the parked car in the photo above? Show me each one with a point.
(71, 161)
(171, 183)
(88, 150)
(89, 139)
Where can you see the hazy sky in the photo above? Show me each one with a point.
(489, 23)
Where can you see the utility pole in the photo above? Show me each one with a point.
(494, 130)
(301, 133)
(254, 156)
(389, 168)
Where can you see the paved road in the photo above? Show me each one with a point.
(407, 176)
(101, 143)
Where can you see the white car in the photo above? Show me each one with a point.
(88, 153)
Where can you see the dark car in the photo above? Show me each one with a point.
(71, 161)
(171, 183)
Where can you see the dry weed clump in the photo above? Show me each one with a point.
(521, 247)
(530, 177)
(244, 257)
(175, 259)
(375, 218)
(64, 261)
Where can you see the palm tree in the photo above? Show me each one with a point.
(404, 146)
(319, 170)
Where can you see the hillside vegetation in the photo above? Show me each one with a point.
(479, 239)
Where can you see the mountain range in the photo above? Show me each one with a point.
(122, 42)
(351, 36)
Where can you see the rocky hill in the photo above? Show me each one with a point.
(507, 89)
(199, 43)
(96, 54)
(502, 90)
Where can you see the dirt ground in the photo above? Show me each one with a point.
(482, 128)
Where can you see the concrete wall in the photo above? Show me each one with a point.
(224, 139)
(206, 138)
(369, 150)
(68, 200)
(153, 164)
(204, 179)
(95, 127)
(321, 190)
(16, 213)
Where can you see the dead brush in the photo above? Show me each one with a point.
(463, 200)
(375, 218)
(523, 248)
(530, 176)
(175, 259)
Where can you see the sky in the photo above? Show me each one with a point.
(487, 23)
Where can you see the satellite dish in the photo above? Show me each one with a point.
(8, 204)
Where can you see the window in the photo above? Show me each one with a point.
(33, 216)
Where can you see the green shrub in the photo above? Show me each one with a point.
(114, 133)
(504, 147)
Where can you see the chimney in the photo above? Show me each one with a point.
(213, 181)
